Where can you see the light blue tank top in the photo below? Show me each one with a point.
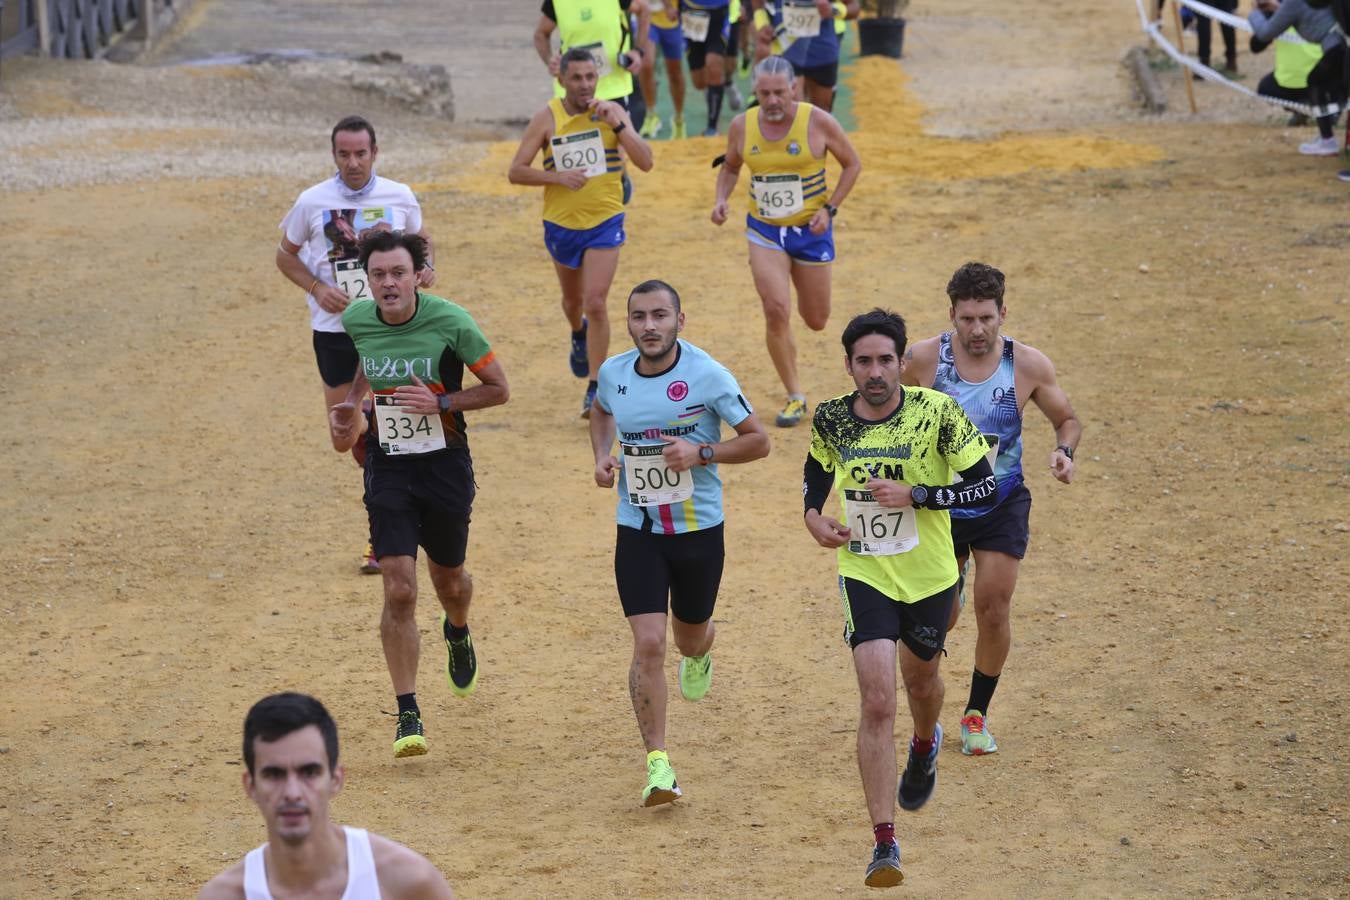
(992, 405)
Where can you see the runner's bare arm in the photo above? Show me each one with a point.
(426, 277)
(838, 144)
(344, 419)
(602, 442)
(535, 139)
(920, 363)
(328, 297)
(730, 171)
(405, 874)
(750, 443)
(643, 36)
(491, 391)
(1054, 403)
(630, 141)
(542, 32)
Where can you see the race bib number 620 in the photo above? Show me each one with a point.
(581, 152)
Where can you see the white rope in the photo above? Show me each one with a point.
(1154, 30)
(1237, 22)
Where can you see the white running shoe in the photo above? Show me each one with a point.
(1320, 147)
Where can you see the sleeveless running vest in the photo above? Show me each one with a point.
(588, 23)
(601, 197)
(790, 156)
(992, 405)
(362, 883)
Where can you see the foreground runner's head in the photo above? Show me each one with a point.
(976, 294)
(655, 320)
(773, 83)
(874, 342)
(354, 151)
(291, 764)
(578, 76)
(391, 260)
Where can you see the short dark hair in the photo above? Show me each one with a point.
(575, 54)
(651, 286)
(274, 717)
(976, 281)
(384, 241)
(352, 123)
(878, 321)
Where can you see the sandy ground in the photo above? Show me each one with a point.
(178, 539)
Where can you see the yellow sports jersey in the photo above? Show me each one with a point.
(659, 17)
(787, 183)
(587, 144)
(904, 553)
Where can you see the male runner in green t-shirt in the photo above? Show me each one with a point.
(889, 452)
(413, 350)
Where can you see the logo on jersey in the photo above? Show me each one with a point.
(677, 390)
(622, 388)
(390, 369)
(793, 148)
(754, 148)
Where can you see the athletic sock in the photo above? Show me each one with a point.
(981, 691)
(714, 94)
(456, 632)
(408, 703)
(884, 833)
(592, 385)
(798, 396)
(578, 334)
(922, 746)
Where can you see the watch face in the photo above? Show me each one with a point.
(918, 495)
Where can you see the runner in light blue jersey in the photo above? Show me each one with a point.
(992, 377)
(665, 403)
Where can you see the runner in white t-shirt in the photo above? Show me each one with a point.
(291, 773)
(318, 254)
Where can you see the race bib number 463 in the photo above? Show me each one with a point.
(650, 482)
(352, 278)
(403, 432)
(581, 152)
(876, 530)
(777, 196)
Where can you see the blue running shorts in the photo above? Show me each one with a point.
(569, 245)
(796, 241)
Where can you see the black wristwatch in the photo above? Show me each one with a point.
(705, 454)
(620, 127)
(443, 401)
(832, 210)
(918, 495)
(1066, 450)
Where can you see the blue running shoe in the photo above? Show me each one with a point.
(920, 775)
(884, 869)
(588, 400)
(577, 360)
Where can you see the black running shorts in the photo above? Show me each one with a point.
(870, 615)
(336, 356)
(425, 501)
(697, 53)
(825, 76)
(683, 570)
(1004, 529)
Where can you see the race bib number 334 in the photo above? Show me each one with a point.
(403, 432)
(876, 530)
(650, 482)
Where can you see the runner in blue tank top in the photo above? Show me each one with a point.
(665, 402)
(992, 377)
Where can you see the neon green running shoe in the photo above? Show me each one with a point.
(678, 131)
(975, 737)
(696, 676)
(651, 127)
(661, 786)
(461, 663)
(409, 739)
(792, 412)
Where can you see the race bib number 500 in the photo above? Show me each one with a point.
(650, 481)
(403, 432)
(581, 152)
(877, 530)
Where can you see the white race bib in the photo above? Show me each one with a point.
(777, 196)
(597, 52)
(650, 482)
(878, 530)
(403, 432)
(992, 440)
(351, 278)
(801, 20)
(694, 23)
(581, 152)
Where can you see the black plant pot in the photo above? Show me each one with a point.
(881, 37)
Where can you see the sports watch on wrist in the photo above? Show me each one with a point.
(832, 210)
(705, 454)
(1066, 450)
(918, 495)
(443, 401)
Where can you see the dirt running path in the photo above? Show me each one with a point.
(177, 538)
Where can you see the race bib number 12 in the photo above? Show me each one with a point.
(877, 530)
(581, 152)
(403, 432)
(650, 482)
(352, 278)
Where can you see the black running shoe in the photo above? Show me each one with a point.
(920, 775)
(461, 664)
(884, 869)
(409, 739)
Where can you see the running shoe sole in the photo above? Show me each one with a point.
(661, 796)
(413, 745)
(884, 876)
